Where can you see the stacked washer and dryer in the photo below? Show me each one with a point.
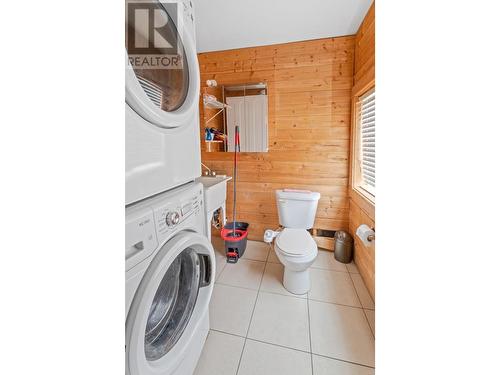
(170, 263)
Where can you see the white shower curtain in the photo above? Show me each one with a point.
(250, 114)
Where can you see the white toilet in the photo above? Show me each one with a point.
(294, 246)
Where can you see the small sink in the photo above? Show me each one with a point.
(214, 191)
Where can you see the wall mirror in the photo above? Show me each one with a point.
(244, 105)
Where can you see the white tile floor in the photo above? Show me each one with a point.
(259, 328)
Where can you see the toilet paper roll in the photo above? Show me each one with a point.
(363, 232)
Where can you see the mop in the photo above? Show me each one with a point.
(235, 233)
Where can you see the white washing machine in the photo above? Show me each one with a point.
(162, 133)
(170, 271)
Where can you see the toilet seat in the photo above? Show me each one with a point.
(295, 242)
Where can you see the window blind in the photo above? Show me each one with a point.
(366, 128)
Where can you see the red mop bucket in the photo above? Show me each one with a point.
(235, 240)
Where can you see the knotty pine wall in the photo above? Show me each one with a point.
(362, 211)
(309, 87)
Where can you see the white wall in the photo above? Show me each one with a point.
(228, 24)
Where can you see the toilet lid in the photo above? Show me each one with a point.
(295, 242)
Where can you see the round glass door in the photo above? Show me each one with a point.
(156, 53)
(173, 304)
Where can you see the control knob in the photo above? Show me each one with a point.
(173, 218)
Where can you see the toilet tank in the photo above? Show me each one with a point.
(297, 208)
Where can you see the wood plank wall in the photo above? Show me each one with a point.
(361, 211)
(309, 86)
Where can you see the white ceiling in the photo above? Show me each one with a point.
(227, 24)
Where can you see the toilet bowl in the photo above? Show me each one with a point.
(294, 246)
(296, 250)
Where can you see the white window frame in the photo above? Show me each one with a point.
(358, 183)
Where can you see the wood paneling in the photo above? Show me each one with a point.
(364, 256)
(364, 60)
(361, 211)
(309, 87)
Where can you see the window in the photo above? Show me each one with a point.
(364, 173)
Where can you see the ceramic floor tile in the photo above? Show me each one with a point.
(231, 309)
(256, 250)
(215, 359)
(341, 332)
(220, 255)
(326, 260)
(352, 268)
(272, 258)
(363, 294)
(218, 244)
(370, 315)
(246, 274)
(273, 280)
(328, 366)
(332, 286)
(281, 320)
(220, 264)
(265, 359)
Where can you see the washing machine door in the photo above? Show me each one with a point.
(162, 74)
(169, 304)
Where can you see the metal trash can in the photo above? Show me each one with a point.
(343, 246)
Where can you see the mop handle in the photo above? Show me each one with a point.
(236, 147)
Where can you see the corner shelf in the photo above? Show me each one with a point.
(213, 146)
(208, 102)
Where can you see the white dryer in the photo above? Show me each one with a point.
(162, 133)
(170, 268)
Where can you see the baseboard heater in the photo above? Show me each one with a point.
(324, 238)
